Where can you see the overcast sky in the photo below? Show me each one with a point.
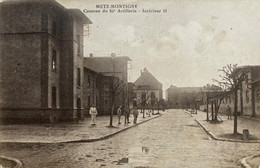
(183, 47)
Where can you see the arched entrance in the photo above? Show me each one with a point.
(78, 108)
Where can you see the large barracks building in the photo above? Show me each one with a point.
(41, 62)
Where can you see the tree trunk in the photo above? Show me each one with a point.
(212, 111)
(235, 112)
(207, 109)
(112, 112)
(143, 110)
(241, 101)
(253, 101)
(216, 111)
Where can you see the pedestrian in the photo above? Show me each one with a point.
(229, 112)
(93, 113)
(119, 113)
(127, 114)
(150, 111)
(135, 114)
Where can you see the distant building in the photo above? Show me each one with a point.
(90, 90)
(131, 95)
(147, 88)
(183, 97)
(249, 95)
(41, 67)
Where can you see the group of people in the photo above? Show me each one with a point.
(120, 111)
(126, 113)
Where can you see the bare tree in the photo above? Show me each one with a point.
(159, 102)
(143, 100)
(216, 94)
(231, 78)
(116, 87)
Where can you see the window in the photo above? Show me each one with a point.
(143, 96)
(88, 80)
(247, 97)
(258, 94)
(54, 60)
(134, 95)
(152, 95)
(78, 77)
(88, 100)
(78, 41)
(53, 97)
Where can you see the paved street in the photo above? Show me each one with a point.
(172, 140)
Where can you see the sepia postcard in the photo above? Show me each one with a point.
(129, 83)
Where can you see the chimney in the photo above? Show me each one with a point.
(113, 54)
(91, 55)
(145, 70)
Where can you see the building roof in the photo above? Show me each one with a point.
(106, 64)
(148, 80)
(75, 12)
(184, 89)
(79, 14)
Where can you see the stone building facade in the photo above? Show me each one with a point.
(146, 90)
(108, 68)
(183, 97)
(41, 67)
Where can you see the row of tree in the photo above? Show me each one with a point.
(116, 88)
(230, 83)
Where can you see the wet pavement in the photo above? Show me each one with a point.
(173, 140)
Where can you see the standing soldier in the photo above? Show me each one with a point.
(135, 114)
(93, 113)
(229, 112)
(127, 113)
(119, 113)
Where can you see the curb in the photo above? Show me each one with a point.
(18, 163)
(222, 139)
(110, 135)
(244, 163)
(250, 118)
(89, 140)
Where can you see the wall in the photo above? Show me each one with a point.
(27, 43)
(20, 79)
(89, 90)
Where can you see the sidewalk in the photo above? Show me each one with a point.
(67, 132)
(223, 131)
